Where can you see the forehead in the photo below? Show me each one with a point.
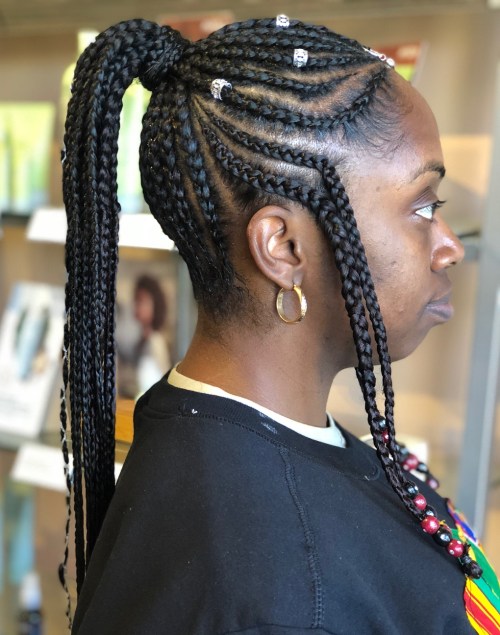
(418, 149)
(421, 144)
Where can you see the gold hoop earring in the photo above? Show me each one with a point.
(302, 302)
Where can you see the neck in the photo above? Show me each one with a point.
(280, 370)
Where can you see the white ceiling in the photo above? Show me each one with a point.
(47, 16)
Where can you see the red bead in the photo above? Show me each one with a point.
(432, 483)
(410, 463)
(420, 502)
(385, 436)
(430, 524)
(456, 548)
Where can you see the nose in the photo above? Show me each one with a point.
(448, 249)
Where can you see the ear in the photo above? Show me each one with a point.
(276, 239)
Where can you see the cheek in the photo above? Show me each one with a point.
(396, 284)
(396, 260)
(400, 286)
(390, 265)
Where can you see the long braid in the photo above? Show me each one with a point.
(392, 467)
(338, 193)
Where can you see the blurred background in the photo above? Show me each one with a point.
(446, 393)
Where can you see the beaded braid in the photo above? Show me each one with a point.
(200, 158)
(293, 118)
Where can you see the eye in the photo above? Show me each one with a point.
(429, 210)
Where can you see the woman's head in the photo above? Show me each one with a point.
(408, 245)
(150, 306)
(265, 127)
(238, 123)
(284, 124)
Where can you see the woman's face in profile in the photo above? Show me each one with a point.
(409, 247)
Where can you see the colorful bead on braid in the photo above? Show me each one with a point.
(441, 533)
(430, 524)
(410, 463)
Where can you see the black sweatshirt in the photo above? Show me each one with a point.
(225, 521)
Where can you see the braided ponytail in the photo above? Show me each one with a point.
(103, 73)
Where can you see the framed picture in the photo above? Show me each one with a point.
(145, 322)
(31, 334)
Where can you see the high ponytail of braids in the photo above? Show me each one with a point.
(103, 73)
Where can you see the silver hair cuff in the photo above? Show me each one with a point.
(282, 21)
(381, 56)
(300, 57)
(217, 86)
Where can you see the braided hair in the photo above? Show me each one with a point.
(265, 137)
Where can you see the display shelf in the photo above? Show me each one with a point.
(13, 219)
(136, 230)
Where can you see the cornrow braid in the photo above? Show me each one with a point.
(295, 119)
(267, 78)
(297, 34)
(271, 58)
(200, 183)
(187, 231)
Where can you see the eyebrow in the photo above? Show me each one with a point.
(430, 166)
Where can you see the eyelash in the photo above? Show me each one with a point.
(429, 210)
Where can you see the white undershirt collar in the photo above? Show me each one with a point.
(330, 434)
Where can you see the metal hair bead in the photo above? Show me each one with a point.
(300, 57)
(381, 56)
(282, 21)
(217, 86)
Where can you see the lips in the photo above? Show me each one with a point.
(441, 308)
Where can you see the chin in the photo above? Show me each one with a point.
(400, 347)
(405, 349)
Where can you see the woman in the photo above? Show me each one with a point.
(285, 161)
(143, 357)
